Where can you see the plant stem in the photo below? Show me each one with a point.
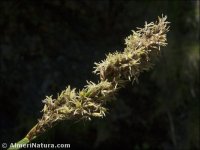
(19, 143)
(27, 139)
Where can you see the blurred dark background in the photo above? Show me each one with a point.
(47, 45)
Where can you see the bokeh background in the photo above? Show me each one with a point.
(47, 45)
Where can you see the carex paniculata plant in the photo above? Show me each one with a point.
(141, 49)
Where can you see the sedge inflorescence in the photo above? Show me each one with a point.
(142, 47)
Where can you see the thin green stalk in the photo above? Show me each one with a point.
(19, 143)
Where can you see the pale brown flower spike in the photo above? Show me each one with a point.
(142, 47)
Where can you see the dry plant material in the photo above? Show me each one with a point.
(142, 47)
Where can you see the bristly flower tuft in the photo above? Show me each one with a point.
(142, 47)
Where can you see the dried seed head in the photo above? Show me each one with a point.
(141, 47)
(118, 68)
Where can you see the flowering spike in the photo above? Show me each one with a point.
(142, 46)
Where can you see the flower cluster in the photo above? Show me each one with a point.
(142, 46)
(117, 69)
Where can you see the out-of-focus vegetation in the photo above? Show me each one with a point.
(48, 45)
